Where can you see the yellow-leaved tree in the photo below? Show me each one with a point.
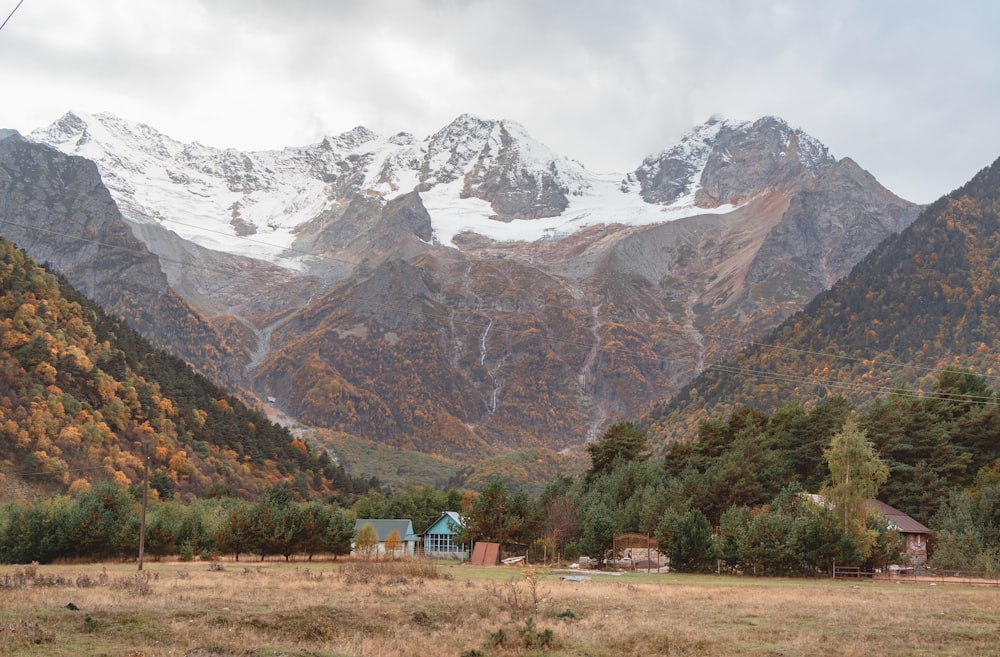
(366, 542)
(856, 473)
(393, 544)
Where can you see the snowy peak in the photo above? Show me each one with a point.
(482, 176)
(676, 171)
(500, 163)
(350, 140)
(90, 134)
(69, 126)
(452, 150)
(215, 198)
(729, 162)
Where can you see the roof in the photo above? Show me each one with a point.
(446, 523)
(383, 528)
(899, 520)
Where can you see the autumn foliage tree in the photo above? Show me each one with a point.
(393, 544)
(856, 473)
(82, 392)
(366, 541)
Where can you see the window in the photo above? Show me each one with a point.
(439, 543)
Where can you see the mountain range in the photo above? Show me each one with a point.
(465, 294)
(924, 300)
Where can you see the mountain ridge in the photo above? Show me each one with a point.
(471, 160)
(383, 312)
(921, 301)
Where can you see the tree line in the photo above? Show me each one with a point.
(737, 498)
(103, 522)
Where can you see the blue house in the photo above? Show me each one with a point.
(439, 539)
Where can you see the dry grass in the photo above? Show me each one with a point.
(319, 609)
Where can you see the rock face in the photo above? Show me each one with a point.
(57, 209)
(729, 163)
(828, 227)
(470, 292)
(498, 174)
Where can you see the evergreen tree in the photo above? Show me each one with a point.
(621, 442)
(687, 538)
(492, 516)
(339, 533)
(236, 533)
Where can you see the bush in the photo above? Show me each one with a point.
(85, 581)
(137, 585)
(186, 551)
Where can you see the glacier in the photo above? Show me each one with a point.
(254, 203)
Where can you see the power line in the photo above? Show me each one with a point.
(851, 385)
(44, 473)
(11, 14)
(127, 249)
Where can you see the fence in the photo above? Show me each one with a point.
(921, 576)
(928, 576)
(851, 572)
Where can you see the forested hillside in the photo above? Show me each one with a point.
(924, 299)
(932, 446)
(84, 398)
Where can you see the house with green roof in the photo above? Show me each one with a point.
(395, 538)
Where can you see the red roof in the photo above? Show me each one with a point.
(899, 520)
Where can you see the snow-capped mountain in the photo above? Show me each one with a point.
(720, 152)
(470, 291)
(485, 177)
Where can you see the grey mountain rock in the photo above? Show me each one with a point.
(56, 208)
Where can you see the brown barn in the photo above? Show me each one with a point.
(914, 533)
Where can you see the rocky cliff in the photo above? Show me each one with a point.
(57, 209)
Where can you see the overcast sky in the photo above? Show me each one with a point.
(908, 89)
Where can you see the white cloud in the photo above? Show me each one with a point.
(904, 88)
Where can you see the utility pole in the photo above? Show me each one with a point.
(142, 518)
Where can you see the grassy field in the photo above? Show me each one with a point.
(302, 609)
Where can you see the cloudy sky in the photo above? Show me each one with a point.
(909, 89)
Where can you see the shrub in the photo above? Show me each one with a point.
(137, 585)
(186, 551)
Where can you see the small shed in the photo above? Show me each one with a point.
(383, 530)
(439, 540)
(485, 554)
(914, 533)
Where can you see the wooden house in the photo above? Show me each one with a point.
(914, 533)
(403, 543)
(440, 539)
